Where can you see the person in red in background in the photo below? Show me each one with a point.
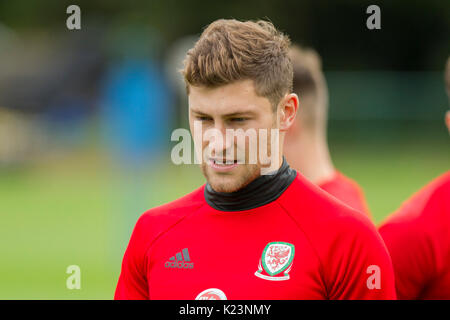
(249, 234)
(305, 146)
(418, 237)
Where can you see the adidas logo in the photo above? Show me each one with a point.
(181, 260)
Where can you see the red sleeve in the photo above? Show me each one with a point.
(411, 256)
(132, 284)
(361, 262)
(415, 238)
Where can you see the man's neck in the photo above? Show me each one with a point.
(309, 155)
(261, 191)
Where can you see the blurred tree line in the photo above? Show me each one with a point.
(414, 35)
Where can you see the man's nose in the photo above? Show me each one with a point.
(220, 142)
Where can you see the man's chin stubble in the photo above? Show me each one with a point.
(233, 186)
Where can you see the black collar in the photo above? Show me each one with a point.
(259, 192)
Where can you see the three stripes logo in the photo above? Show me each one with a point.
(181, 260)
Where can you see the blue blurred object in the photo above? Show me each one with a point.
(135, 109)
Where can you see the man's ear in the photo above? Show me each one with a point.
(287, 111)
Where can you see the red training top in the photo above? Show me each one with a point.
(417, 237)
(303, 245)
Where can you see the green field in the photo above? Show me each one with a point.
(76, 208)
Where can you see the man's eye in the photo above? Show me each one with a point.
(238, 119)
(203, 118)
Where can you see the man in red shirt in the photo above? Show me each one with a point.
(305, 146)
(417, 237)
(250, 232)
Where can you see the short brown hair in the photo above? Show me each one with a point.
(232, 50)
(309, 82)
(305, 62)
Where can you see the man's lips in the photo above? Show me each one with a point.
(222, 165)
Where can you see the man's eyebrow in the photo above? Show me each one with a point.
(239, 113)
(199, 112)
(227, 115)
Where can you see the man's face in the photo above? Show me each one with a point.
(232, 106)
